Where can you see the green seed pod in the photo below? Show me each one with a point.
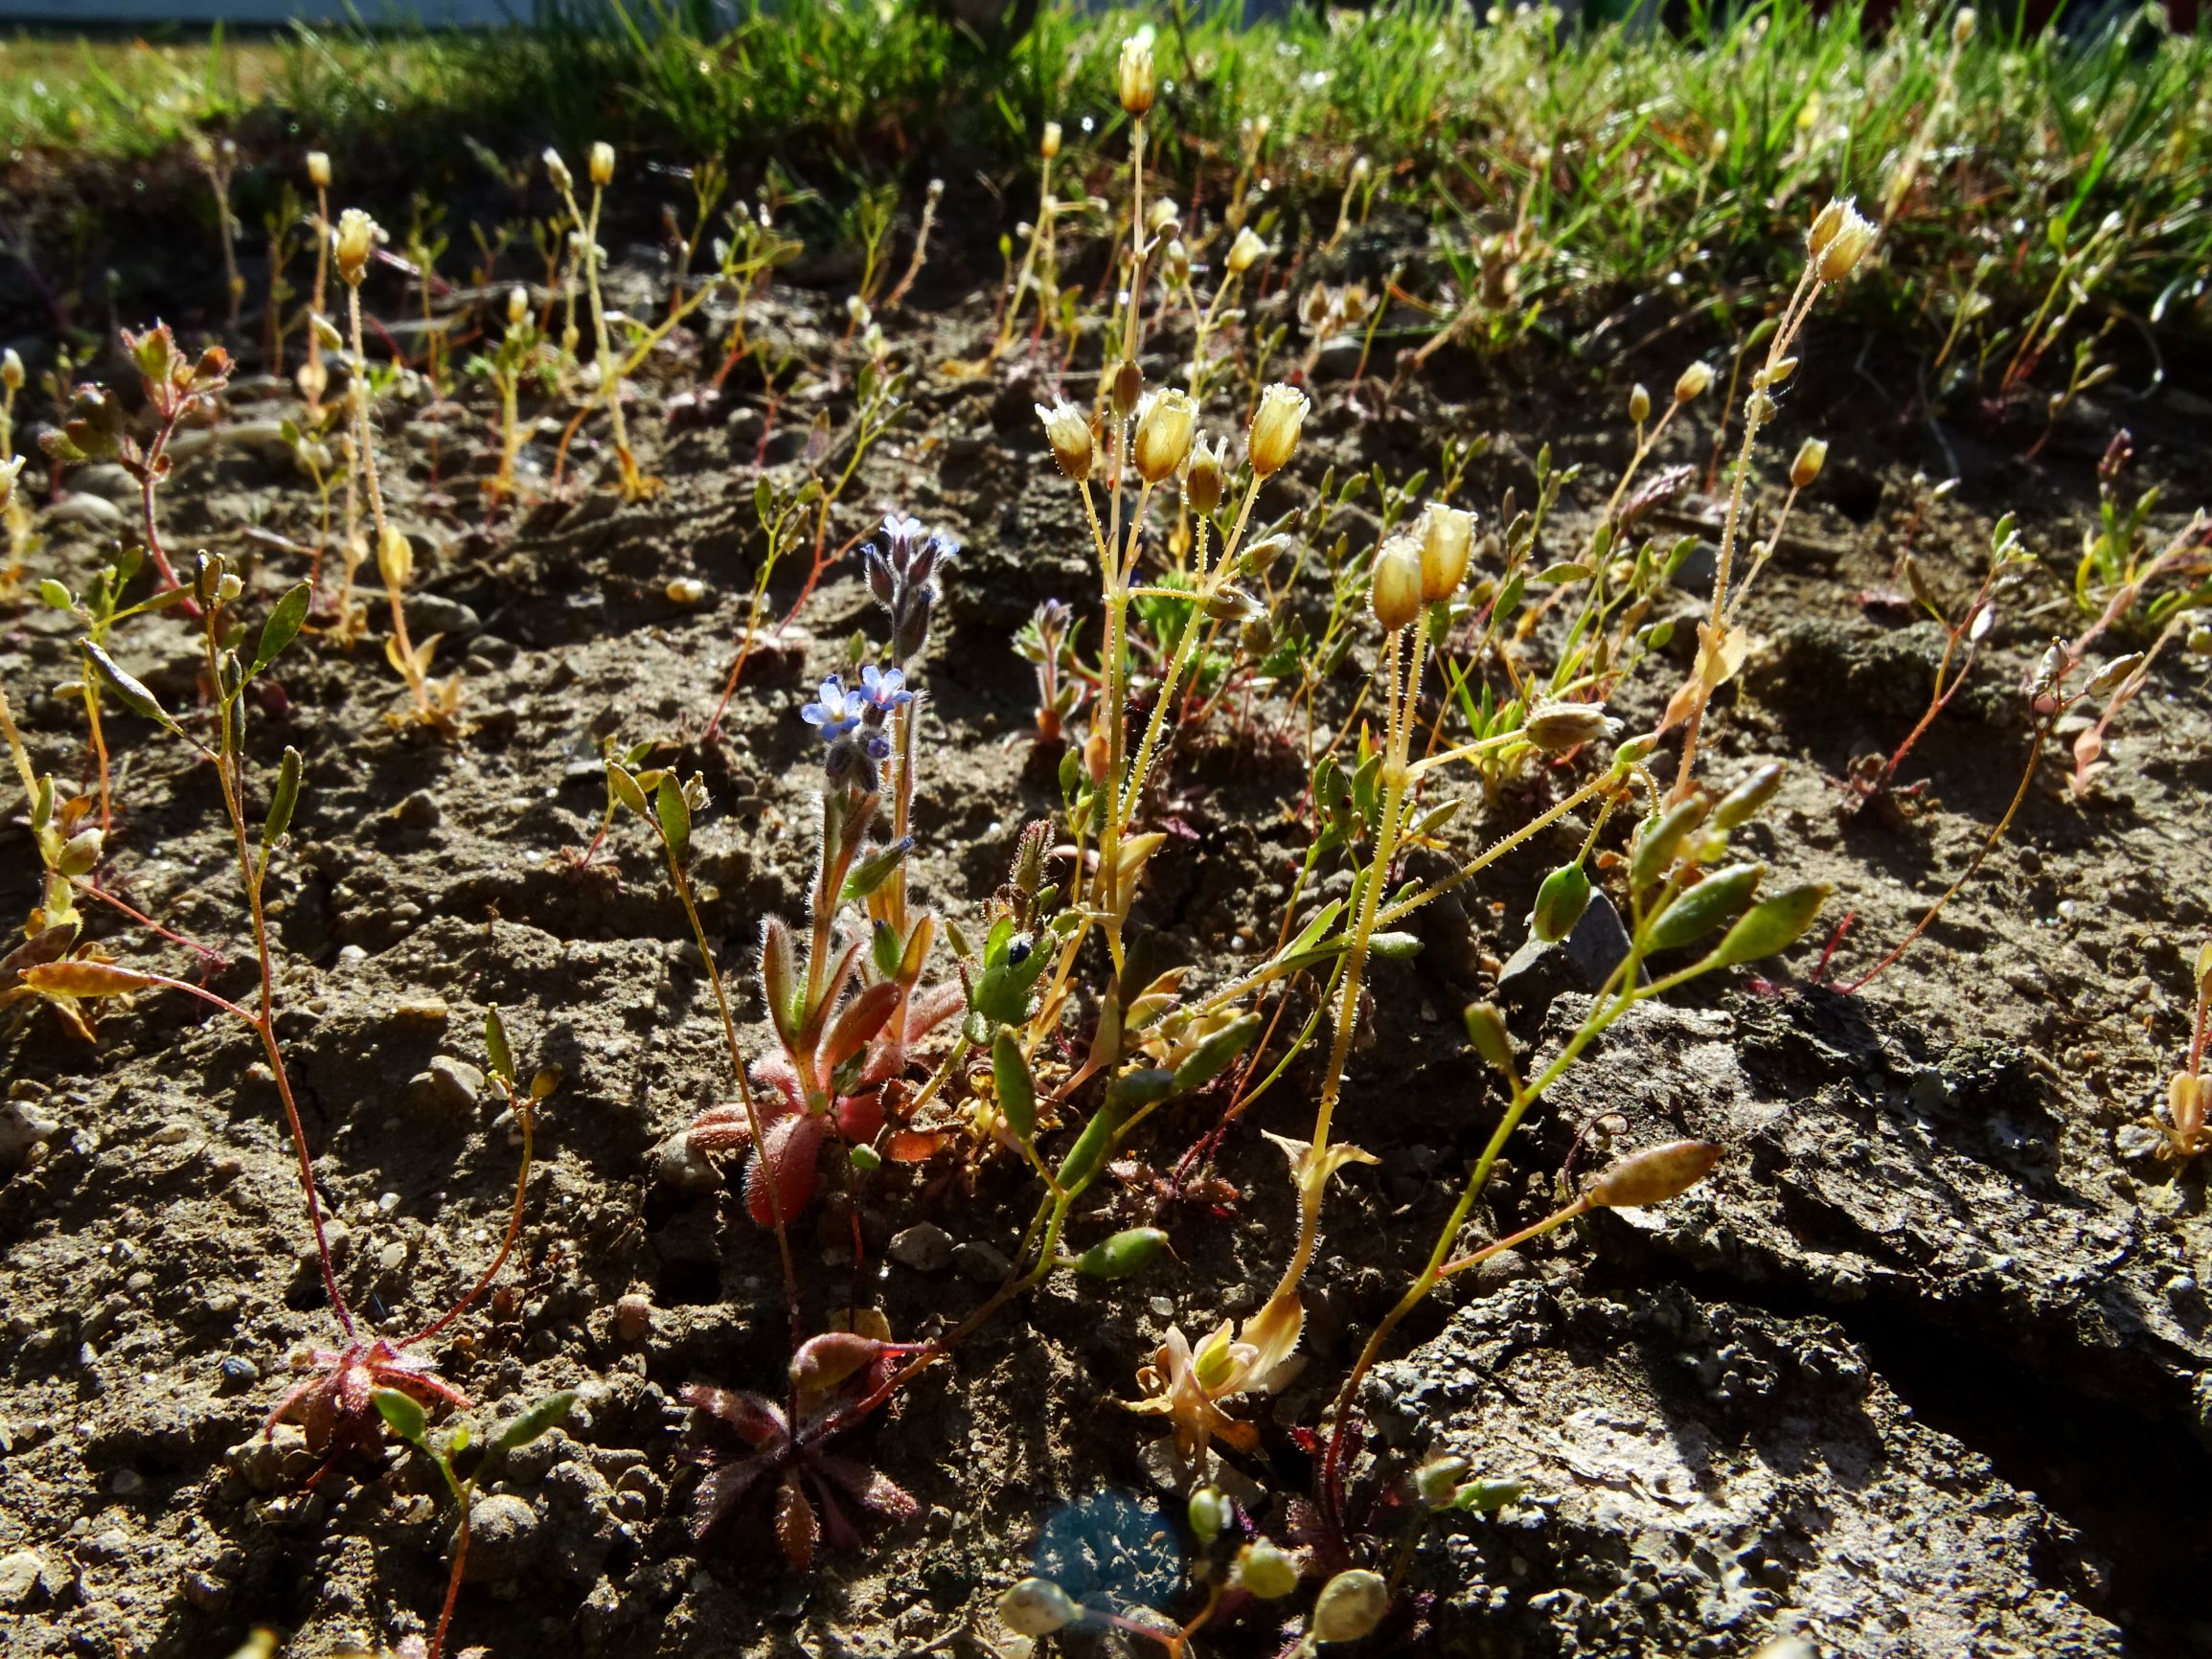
(1747, 798)
(284, 797)
(1559, 902)
(1262, 1569)
(1350, 1605)
(1211, 1514)
(1437, 1480)
(1217, 1052)
(1772, 924)
(1658, 839)
(1090, 1146)
(1124, 1254)
(1698, 911)
(1016, 1088)
(1486, 1029)
(1142, 1087)
(1483, 1496)
(864, 1158)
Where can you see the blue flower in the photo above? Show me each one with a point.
(837, 712)
(885, 688)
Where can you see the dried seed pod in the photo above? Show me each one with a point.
(1246, 252)
(1555, 728)
(1204, 476)
(1811, 456)
(1640, 403)
(1693, 381)
(357, 237)
(1128, 388)
(1653, 1175)
(1850, 235)
(603, 165)
(319, 168)
(1350, 1605)
(1048, 146)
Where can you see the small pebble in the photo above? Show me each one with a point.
(926, 1247)
(633, 1318)
(979, 1264)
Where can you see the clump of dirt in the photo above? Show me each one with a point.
(1872, 1382)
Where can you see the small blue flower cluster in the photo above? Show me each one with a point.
(851, 721)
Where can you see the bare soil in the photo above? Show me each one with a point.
(1922, 1371)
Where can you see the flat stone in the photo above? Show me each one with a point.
(503, 1537)
(1583, 960)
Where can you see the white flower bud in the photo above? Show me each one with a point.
(1246, 252)
(1693, 381)
(556, 169)
(603, 165)
(1396, 595)
(1135, 76)
(318, 170)
(1068, 430)
(1165, 422)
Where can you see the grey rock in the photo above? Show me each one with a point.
(979, 1264)
(1698, 570)
(926, 1247)
(22, 1577)
(504, 1538)
(23, 1131)
(90, 511)
(1581, 962)
(459, 1085)
(419, 811)
(431, 613)
(679, 1164)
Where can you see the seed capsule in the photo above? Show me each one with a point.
(1262, 1569)
(1210, 1513)
(1692, 381)
(1699, 909)
(1275, 434)
(1653, 1175)
(1850, 235)
(1397, 591)
(1772, 924)
(1741, 804)
(1202, 478)
(1165, 425)
(318, 170)
(1068, 431)
(1037, 1607)
(1048, 146)
(1559, 902)
(1811, 456)
(1640, 404)
(1555, 728)
(1125, 1253)
(1350, 1605)
(357, 237)
(603, 165)
(1128, 388)
(1446, 545)
(1246, 252)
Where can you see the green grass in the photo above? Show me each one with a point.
(1624, 159)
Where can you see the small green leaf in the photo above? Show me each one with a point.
(626, 790)
(403, 1412)
(533, 1424)
(55, 594)
(674, 813)
(282, 625)
(495, 1046)
(1217, 1052)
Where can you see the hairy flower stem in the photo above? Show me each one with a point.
(403, 648)
(609, 370)
(683, 887)
(1396, 778)
(1755, 409)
